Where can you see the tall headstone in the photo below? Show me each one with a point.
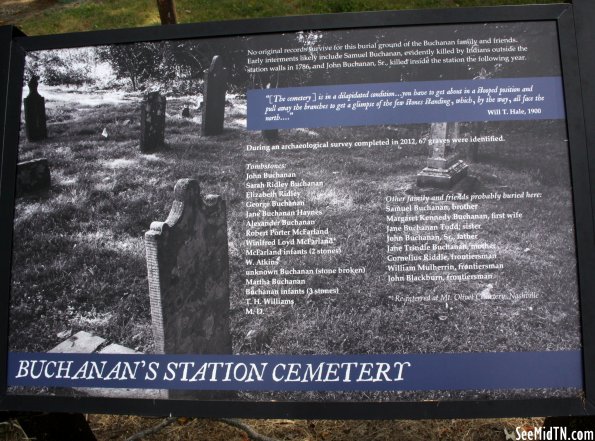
(215, 86)
(443, 168)
(473, 147)
(35, 117)
(33, 177)
(473, 152)
(152, 122)
(188, 272)
(453, 131)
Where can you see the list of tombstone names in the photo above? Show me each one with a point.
(283, 235)
(438, 238)
(445, 238)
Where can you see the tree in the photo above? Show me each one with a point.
(140, 63)
(167, 11)
(62, 66)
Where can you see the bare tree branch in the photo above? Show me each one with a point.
(252, 434)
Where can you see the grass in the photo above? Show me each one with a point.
(85, 15)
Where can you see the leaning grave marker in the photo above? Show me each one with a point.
(187, 264)
(325, 232)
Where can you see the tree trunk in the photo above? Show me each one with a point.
(167, 11)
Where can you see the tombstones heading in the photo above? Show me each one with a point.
(215, 86)
(152, 123)
(35, 117)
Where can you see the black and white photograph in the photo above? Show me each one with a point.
(378, 191)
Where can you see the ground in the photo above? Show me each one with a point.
(13, 11)
(108, 428)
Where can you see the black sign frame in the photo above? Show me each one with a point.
(577, 62)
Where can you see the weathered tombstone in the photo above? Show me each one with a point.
(453, 133)
(473, 147)
(215, 87)
(152, 122)
(35, 118)
(443, 168)
(473, 152)
(33, 177)
(84, 342)
(188, 271)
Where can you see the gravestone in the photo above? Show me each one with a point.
(443, 168)
(152, 122)
(33, 177)
(473, 147)
(453, 132)
(35, 117)
(188, 272)
(473, 152)
(215, 86)
(84, 342)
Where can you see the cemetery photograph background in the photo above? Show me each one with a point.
(79, 255)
